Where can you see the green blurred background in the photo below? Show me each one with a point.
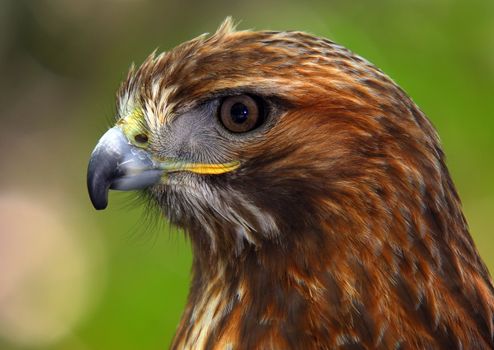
(74, 278)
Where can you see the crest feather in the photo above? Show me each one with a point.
(228, 26)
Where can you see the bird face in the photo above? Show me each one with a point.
(189, 162)
(245, 133)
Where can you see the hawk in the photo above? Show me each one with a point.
(314, 191)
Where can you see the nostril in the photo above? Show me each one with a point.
(141, 138)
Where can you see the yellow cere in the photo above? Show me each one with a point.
(133, 125)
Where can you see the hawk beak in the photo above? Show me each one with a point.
(117, 164)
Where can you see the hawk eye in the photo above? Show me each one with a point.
(240, 113)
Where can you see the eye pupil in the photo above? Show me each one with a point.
(239, 113)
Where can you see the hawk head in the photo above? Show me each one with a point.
(250, 133)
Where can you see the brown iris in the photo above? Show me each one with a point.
(239, 113)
